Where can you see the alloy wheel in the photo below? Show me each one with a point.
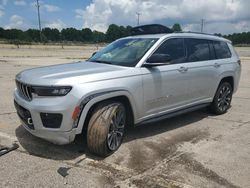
(116, 130)
(224, 98)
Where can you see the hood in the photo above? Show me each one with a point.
(79, 72)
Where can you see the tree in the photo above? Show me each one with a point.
(113, 33)
(33, 35)
(176, 27)
(14, 34)
(98, 36)
(1, 32)
(71, 34)
(87, 35)
(51, 34)
(128, 28)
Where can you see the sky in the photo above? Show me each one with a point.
(221, 16)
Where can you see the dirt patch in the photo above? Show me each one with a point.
(119, 160)
(139, 158)
(115, 173)
(197, 168)
(158, 182)
(146, 154)
(3, 61)
(106, 180)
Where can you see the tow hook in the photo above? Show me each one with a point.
(5, 150)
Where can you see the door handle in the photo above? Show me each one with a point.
(183, 69)
(216, 65)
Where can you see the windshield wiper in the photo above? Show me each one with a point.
(104, 62)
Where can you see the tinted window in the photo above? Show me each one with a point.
(175, 49)
(211, 48)
(221, 50)
(198, 50)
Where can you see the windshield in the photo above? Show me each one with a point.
(124, 52)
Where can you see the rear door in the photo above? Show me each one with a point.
(203, 69)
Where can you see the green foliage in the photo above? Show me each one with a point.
(87, 35)
(71, 34)
(114, 32)
(33, 35)
(176, 27)
(1, 32)
(239, 38)
(51, 34)
(98, 36)
(12, 34)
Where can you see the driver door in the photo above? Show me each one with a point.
(165, 86)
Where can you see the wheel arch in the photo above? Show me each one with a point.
(120, 96)
(229, 79)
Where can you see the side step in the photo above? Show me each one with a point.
(173, 114)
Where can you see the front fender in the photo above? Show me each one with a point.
(93, 99)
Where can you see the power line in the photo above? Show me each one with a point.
(138, 17)
(39, 19)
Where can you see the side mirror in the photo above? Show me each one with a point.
(157, 60)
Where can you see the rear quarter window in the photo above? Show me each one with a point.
(222, 50)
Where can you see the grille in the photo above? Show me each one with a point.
(25, 90)
(24, 114)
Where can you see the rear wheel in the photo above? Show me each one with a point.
(106, 128)
(222, 99)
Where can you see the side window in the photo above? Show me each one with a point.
(198, 50)
(175, 49)
(221, 50)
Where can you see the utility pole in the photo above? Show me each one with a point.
(202, 25)
(39, 19)
(138, 17)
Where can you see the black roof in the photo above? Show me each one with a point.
(150, 29)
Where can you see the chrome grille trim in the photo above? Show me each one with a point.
(24, 90)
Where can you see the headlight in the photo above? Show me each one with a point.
(51, 91)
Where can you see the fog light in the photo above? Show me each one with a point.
(51, 120)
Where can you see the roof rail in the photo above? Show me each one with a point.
(150, 29)
(196, 33)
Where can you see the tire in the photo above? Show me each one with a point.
(222, 99)
(106, 128)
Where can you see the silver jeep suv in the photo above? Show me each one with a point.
(134, 80)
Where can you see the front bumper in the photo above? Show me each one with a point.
(61, 105)
(56, 137)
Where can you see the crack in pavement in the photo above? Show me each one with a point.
(7, 113)
(244, 123)
(225, 120)
(246, 98)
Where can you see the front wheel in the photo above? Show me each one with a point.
(106, 128)
(222, 99)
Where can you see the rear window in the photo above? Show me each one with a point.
(198, 50)
(221, 50)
